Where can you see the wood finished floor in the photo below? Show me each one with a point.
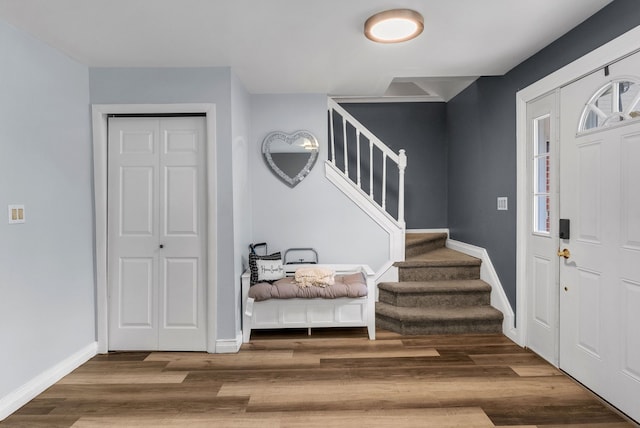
(334, 378)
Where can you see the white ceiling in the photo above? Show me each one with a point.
(303, 46)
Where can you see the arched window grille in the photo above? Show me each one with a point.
(615, 102)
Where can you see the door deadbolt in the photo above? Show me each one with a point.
(161, 246)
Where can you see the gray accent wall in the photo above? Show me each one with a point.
(481, 123)
(47, 309)
(420, 129)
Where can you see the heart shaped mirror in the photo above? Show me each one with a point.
(290, 156)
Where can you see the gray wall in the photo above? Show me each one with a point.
(420, 129)
(189, 85)
(481, 123)
(482, 166)
(46, 265)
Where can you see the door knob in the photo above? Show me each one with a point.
(161, 246)
(564, 253)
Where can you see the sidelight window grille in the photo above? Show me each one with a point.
(541, 174)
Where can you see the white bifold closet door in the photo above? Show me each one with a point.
(156, 249)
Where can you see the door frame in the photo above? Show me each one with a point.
(617, 48)
(99, 114)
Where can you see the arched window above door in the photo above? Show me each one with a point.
(613, 103)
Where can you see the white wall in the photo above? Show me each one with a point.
(47, 274)
(189, 85)
(46, 265)
(240, 130)
(314, 213)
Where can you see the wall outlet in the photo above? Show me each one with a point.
(503, 203)
(16, 214)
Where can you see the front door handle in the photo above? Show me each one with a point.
(564, 253)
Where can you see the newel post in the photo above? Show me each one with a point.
(402, 165)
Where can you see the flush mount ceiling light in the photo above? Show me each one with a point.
(394, 26)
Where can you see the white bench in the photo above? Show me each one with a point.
(310, 313)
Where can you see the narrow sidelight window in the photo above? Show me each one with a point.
(541, 171)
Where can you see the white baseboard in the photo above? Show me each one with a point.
(27, 392)
(229, 346)
(489, 275)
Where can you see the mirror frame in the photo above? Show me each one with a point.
(290, 139)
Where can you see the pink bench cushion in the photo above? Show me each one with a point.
(353, 285)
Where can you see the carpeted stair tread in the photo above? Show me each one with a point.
(440, 257)
(419, 243)
(439, 292)
(447, 286)
(430, 314)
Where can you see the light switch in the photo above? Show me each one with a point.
(16, 214)
(502, 203)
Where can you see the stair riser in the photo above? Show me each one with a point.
(439, 299)
(407, 328)
(433, 273)
(423, 247)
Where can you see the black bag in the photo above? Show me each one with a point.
(262, 247)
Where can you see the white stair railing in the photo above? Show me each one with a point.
(341, 116)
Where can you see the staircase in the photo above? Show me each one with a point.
(439, 292)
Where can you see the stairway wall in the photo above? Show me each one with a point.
(420, 129)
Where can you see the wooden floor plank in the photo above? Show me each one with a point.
(537, 370)
(48, 421)
(418, 418)
(124, 377)
(588, 425)
(335, 377)
(155, 407)
(451, 392)
(121, 356)
(586, 413)
(126, 392)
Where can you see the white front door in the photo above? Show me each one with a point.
(542, 227)
(600, 195)
(156, 234)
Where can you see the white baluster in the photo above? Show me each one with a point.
(358, 156)
(384, 182)
(402, 165)
(333, 137)
(371, 169)
(344, 141)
